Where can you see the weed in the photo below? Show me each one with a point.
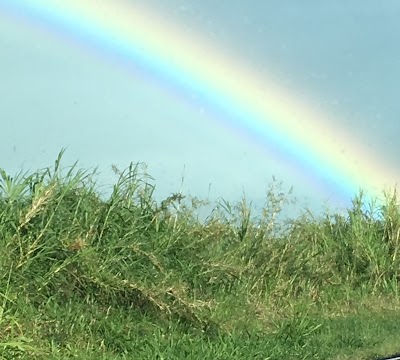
(125, 276)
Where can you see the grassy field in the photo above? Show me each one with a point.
(126, 277)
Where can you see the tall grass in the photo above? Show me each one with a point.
(126, 276)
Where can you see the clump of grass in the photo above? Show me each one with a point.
(123, 275)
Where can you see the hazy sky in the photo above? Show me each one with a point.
(343, 56)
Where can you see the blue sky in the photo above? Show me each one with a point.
(343, 55)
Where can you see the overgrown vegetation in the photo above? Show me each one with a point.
(129, 278)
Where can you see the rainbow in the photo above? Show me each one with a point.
(255, 105)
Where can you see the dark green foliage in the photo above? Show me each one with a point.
(124, 276)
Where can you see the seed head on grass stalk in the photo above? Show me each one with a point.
(41, 198)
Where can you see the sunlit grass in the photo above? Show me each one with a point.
(126, 277)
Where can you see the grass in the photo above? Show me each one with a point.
(125, 277)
